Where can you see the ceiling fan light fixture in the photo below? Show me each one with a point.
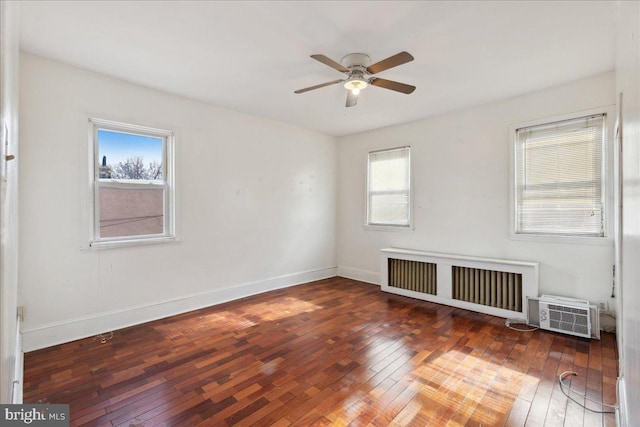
(355, 85)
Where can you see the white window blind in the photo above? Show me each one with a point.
(560, 178)
(388, 190)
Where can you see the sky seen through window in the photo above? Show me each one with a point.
(118, 147)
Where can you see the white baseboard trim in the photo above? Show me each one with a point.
(18, 366)
(87, 326)
(18, 381)
(359, 274)
(621, 410)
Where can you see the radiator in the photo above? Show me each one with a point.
(413, 275)
(487, 287)
(494, 286)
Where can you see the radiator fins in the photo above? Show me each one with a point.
(487, 287)
(413, 276)
(491, 288)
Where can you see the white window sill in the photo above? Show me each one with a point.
(396, 228)
(110, 244)
(569, 240)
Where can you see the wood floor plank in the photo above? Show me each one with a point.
(334, 352)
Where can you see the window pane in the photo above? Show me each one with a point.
(389, 173)
(129, 156)
(131, 212)
(574, 220)
(388, 187)
(559, 178)
(390, 209)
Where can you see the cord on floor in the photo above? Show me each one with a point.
(508, 322)
(583, 396)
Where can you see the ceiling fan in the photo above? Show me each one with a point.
(358, 68)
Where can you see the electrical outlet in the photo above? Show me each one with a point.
(604, 306)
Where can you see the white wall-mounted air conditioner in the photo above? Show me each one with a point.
(566, 315)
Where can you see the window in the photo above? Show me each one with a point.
(132, 183)
(559, 174)
(388, 187)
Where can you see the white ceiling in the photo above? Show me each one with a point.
(251, 56)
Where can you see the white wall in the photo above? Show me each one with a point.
(9, 33)
(256, 202)
(628, 82)
(461, 191)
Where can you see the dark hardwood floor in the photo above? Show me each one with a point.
(333, 352)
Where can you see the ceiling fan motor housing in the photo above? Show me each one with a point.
(357, 64)
(356, 61)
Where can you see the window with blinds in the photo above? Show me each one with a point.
(560, 178)
(388, 187)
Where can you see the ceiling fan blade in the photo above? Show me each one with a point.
(351, 99)
(390, 62)
(330, 62)
(389, 84)
(307, 89)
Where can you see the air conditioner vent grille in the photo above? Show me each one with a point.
(567, 309)
(547, 313)
(568, 317)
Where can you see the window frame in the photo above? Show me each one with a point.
(168, 184)
(607, 177)
(368, 225)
